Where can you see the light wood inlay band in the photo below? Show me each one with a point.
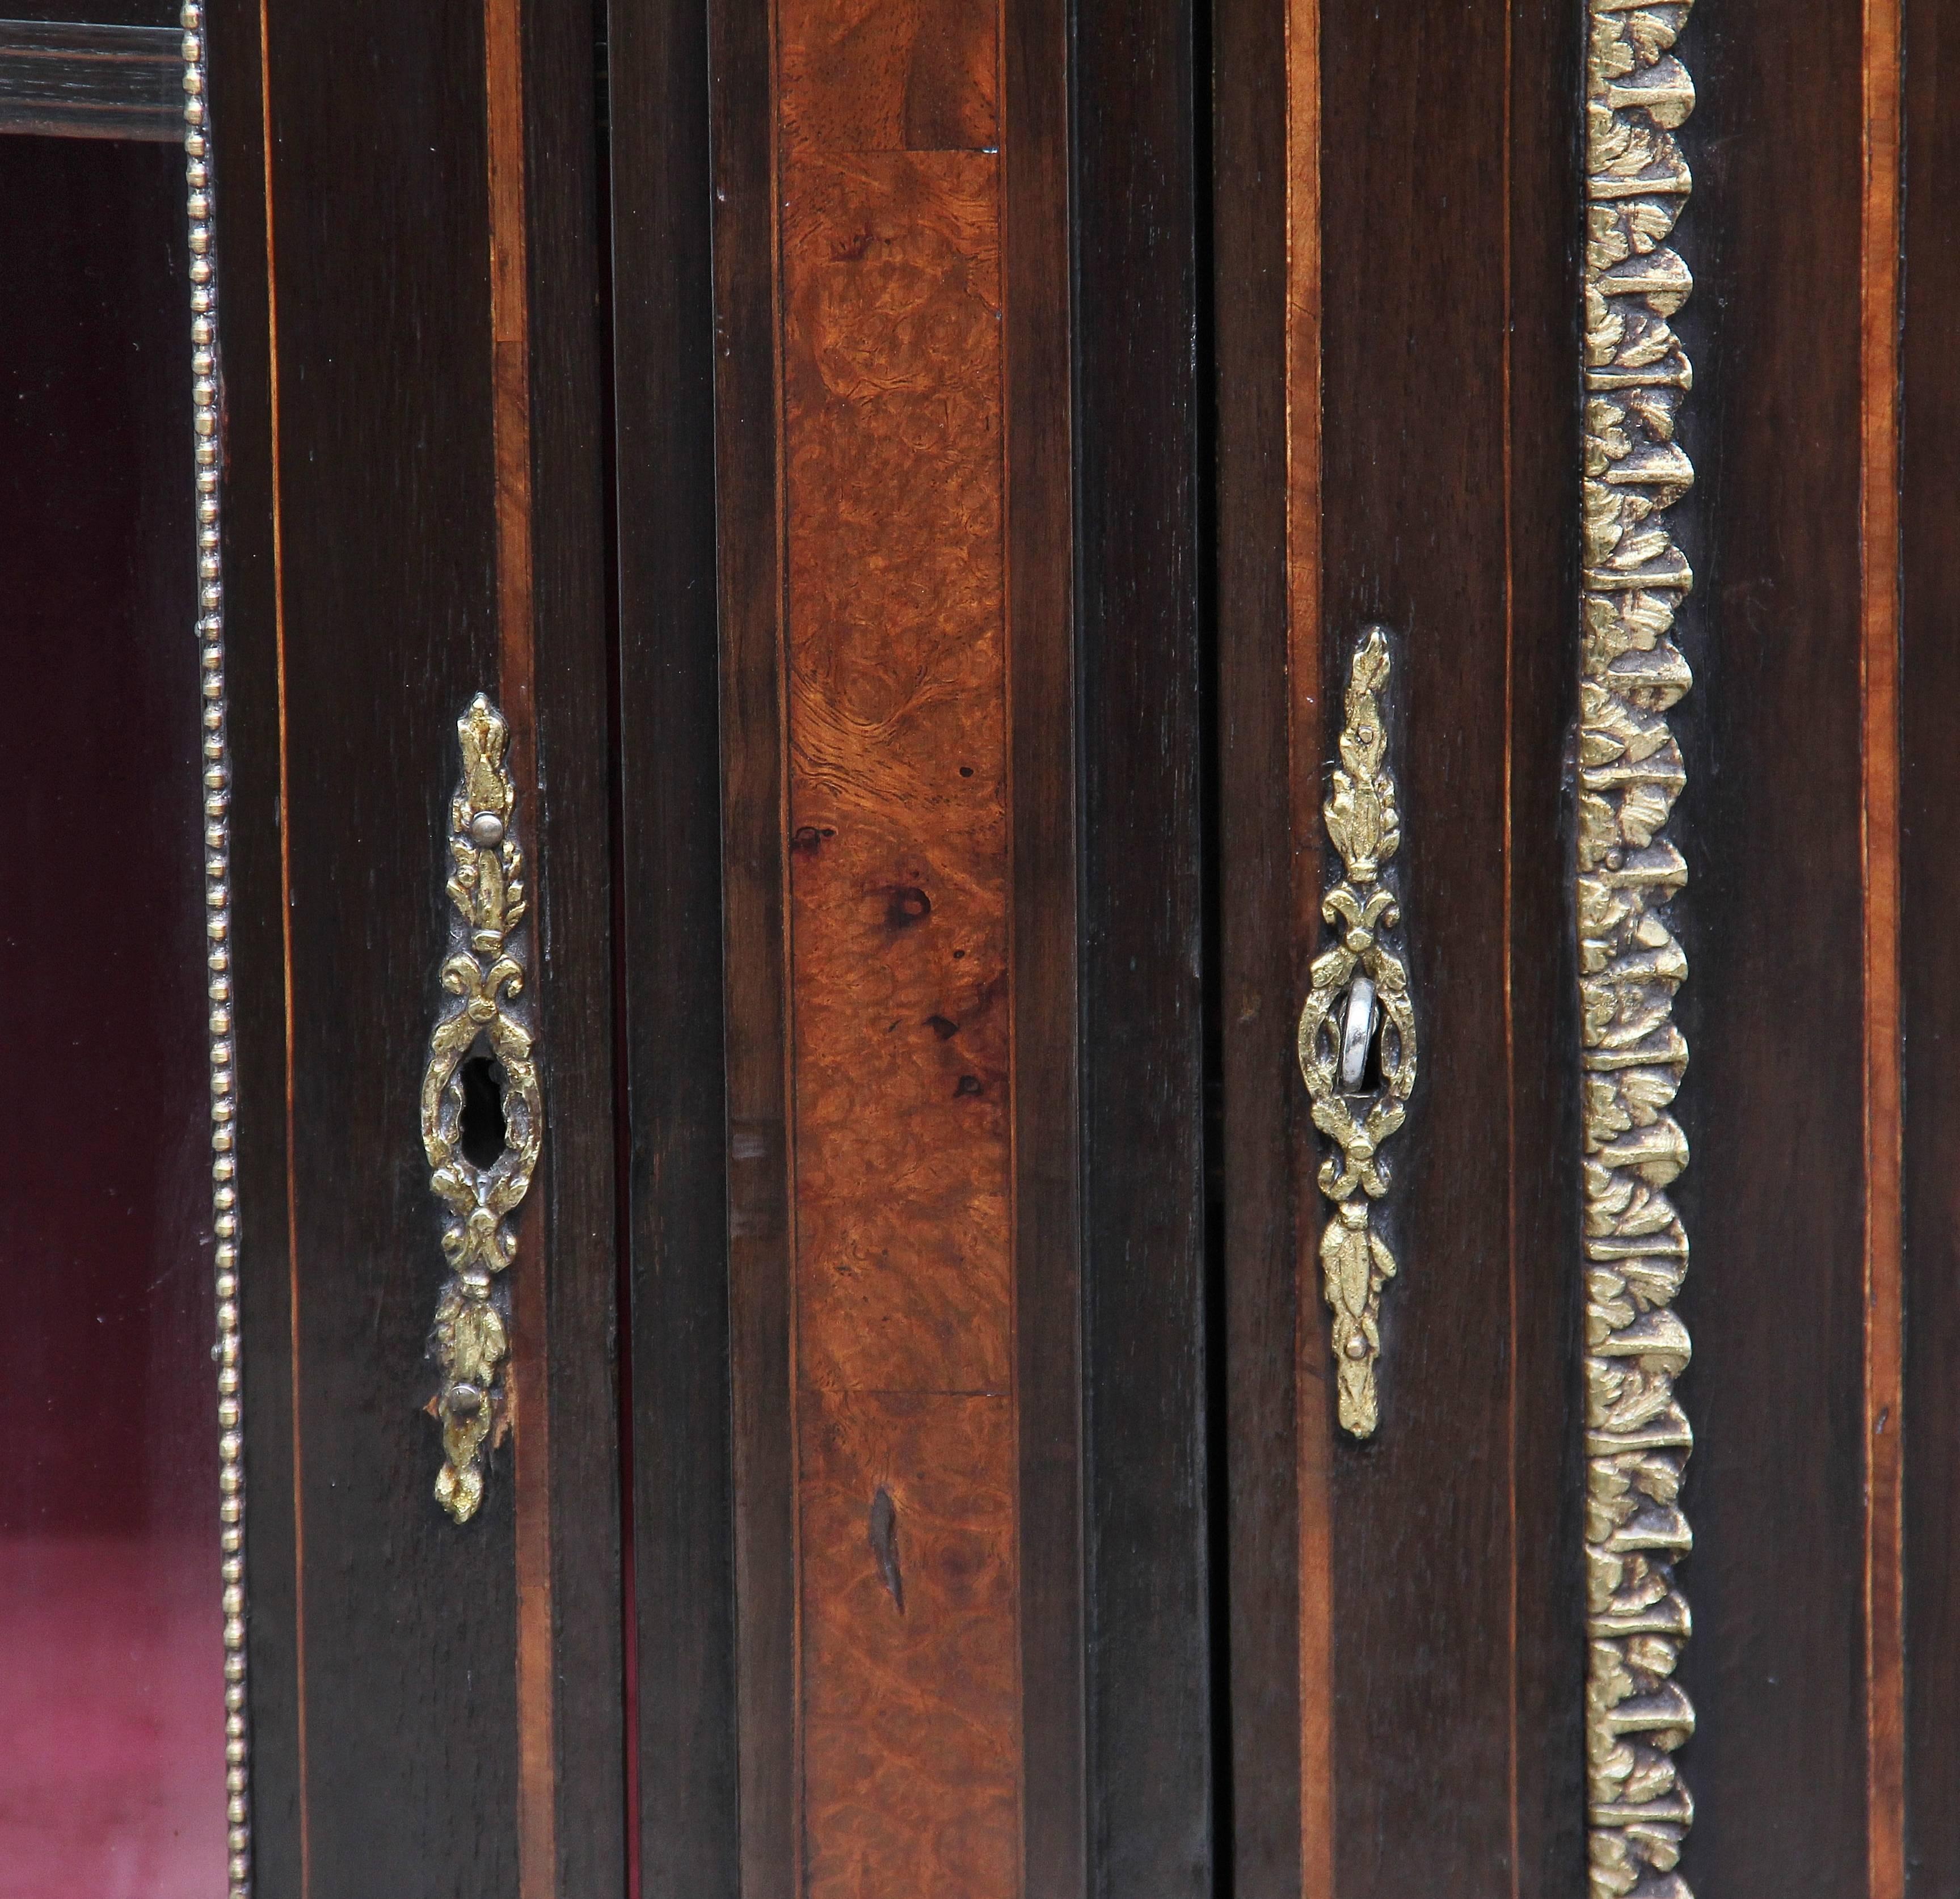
(1884, 1610)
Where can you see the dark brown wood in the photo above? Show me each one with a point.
(1141, 659)
(386, 502)
(1042, 997)
(66, 80)
(572, 673)
(1547, 1796)
(669, 892)
(1260, 1079)
(1161, 1725)
(1930, 575)
(120, 13)
(1773, 1009)
(1414, 535)
(1454, 1709)
(755, 843)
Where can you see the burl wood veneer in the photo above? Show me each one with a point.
(890, 186)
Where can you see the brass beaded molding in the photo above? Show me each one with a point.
(483, 975)
(1628, 873)
(216, 781)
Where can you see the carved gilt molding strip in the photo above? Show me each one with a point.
(1359, 991)
(483, 972)
(1630, 966)
(215, 767)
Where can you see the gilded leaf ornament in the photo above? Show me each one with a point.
(1357, 1042)
(1628, 874)
(482, 977)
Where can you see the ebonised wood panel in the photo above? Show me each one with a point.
(1545, 217)
(1259, 1079)
(1773, 1103)
(573, 637)
(1043, 995)
(754, 873)
(1142, 632)
(1417, 519)
(1930, 572)
(387, 600)
(669, 893)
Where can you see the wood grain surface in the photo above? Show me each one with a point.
(674, 1093)
(1043, 999)
(387, 518)
(1547, 1479)
(580, 1641)
(1773, 1008)
(910, 1682)
(529, 1374)
(1149, 1301)
(386, 1706)
(1448, 481)
(1929, 927)
(1448, 1714)
(896, 708)
(1884, 1301)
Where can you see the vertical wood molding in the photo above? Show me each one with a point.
(1884, 1407)
(1142, 626)
(741, 65)
(1260, 225)
(1042, 998)
(680, 1074)
(1928, 890)
(1306, 747)
(1772, 737)
(510, 425)
(895, 655)
(572, 1687)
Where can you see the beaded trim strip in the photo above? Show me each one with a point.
(217, 782)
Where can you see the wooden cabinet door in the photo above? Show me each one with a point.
(1569, 345)
(314, 816)
(1073, 958)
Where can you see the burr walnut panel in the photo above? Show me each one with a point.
(898, 849)
(890, 75)
(907, 1517)
(894, 697)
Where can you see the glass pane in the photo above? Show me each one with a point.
(111, 1660)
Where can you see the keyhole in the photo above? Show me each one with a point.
(481, 1130)
(1371, 1067)
(1360, 1018)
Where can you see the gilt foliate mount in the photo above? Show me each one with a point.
(1357, 1039)
(483, 979)
(1627, 876)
